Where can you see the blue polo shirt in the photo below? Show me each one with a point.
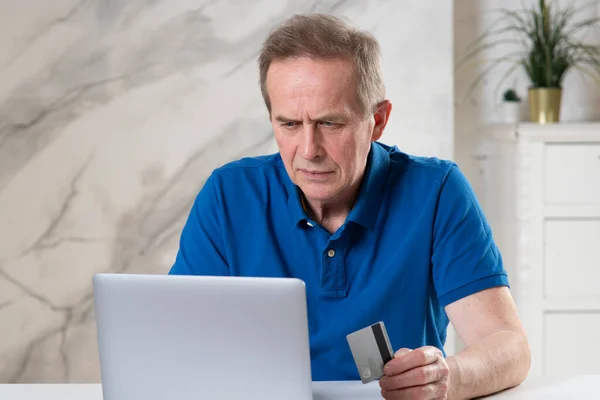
(415, 241)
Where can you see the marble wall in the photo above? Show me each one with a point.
(112, 114)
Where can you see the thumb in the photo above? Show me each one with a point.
(402, 352)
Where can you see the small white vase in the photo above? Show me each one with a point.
(511, 112)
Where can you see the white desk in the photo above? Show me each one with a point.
(580, 387)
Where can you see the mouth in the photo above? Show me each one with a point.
(315, 174)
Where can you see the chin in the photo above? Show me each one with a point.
(318, 193)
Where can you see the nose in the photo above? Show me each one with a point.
(311, 143)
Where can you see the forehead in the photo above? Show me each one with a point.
(308, 83)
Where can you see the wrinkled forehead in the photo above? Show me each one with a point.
(313, 84)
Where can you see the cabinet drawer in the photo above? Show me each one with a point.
(572, 258)
(572, 173)
(571, 341)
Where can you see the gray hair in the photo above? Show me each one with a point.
(322, 36)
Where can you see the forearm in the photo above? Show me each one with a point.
(498, 362)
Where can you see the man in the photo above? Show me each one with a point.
(376, 234)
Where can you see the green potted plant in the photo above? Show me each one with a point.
(550, 48)
(511, 105)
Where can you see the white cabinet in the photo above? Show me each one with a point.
(572, 173)
(540, 188)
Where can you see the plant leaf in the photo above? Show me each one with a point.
(583, 24)
(484, 73)
(487, 46)
(590, 74)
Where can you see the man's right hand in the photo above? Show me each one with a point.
(416, 374)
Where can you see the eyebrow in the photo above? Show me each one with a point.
(334, 117)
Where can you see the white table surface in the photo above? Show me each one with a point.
(578, 387)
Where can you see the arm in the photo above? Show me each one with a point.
(496, 354)
(201, 246)
(471, 285)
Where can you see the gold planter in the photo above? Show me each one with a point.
(544, 105)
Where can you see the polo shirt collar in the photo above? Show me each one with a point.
(368, 201)
(294, 199)
(295, 203)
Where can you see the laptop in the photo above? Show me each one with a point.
(201, 337)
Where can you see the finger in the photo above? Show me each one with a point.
(402, 352)
(429, 391)
(416, 358)
(415, 377)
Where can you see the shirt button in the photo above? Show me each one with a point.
(331, 253)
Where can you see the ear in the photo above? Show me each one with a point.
(382, 115)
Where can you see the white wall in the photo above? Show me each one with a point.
(581, 95)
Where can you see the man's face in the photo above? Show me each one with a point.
(321, 131)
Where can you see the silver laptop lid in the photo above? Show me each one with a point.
(191, 337)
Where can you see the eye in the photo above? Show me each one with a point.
(330, 125)
(289, 124)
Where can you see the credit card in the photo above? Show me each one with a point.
(371, 350)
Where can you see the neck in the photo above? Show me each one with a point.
(331, 215)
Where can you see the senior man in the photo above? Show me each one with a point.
(375, 233)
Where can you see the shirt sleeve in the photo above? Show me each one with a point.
(201, 245)
(465, 257)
